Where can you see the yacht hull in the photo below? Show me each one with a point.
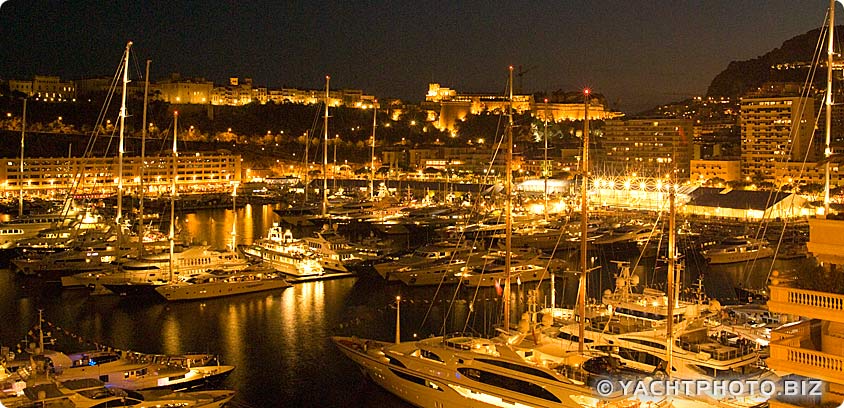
(215, 290)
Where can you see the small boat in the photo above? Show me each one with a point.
(214, 285)
(738, 249)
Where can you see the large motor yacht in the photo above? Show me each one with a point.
(284, 253)
(738, 249)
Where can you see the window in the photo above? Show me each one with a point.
(508, 383)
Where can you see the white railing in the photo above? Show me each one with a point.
(785, 297)
(814, 363)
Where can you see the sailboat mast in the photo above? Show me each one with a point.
(325, 154)
(372, 169)
(672, 260)
(508, 207)
(20, 178)
(584, 222)
(173, 193)
(545, 166)
(143, 164)
(827, 149)
(307, 163)
(121, 148)
(234, 213)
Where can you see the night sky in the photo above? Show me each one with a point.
(637, 53)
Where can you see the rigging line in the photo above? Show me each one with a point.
(485, 178)
(763, 224)
(79, 176)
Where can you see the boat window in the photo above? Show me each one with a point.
(517, 367)
(408, 377)
(646, 343)
(395, 362)
(572, 337)
(508, 383)
(431, 355)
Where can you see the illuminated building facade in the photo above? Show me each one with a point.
(769, 136)
(647, 147)
(56, 176)
(704, 170)
(176, 89)
(45, 88)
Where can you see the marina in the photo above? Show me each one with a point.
(298, 322)
(650, 252)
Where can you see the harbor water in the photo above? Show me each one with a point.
(280, 342)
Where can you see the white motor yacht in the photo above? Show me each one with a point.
(214, 285)
(738, 249)
(284, 253)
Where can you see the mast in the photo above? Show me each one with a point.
(307, 163)
(584, 221)
(173, 192)
(325, 154)
(372, 170)
(508, 208)
(827, 149)
(334, 166)
(234, 213)
(670, 289)
(545, 166)
(20, 178)
(121, 149)
(143, 165)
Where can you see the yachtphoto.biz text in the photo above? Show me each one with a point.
(718, 389)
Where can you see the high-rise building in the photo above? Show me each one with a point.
(774, 130)
(647, 147)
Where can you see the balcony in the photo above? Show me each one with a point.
(807, 303)
(808, 363)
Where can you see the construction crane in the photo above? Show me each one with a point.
(522, 72)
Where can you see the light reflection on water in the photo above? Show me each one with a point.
(279, 340)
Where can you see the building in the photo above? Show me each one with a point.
(775, 130)
(812, 348)
(446, 107)
(45, 88)
(58, 176)
(702, 171)
(647, 147)
(176, 89)
(746, 204)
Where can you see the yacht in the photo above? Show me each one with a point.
(287, 255)
(131, 371)
(141, 275)
(336, 253)
(738, 249)
(422, 256)
(474, 372)
(91, 393)
(214, 285)
(81, 260)
(633, 329)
